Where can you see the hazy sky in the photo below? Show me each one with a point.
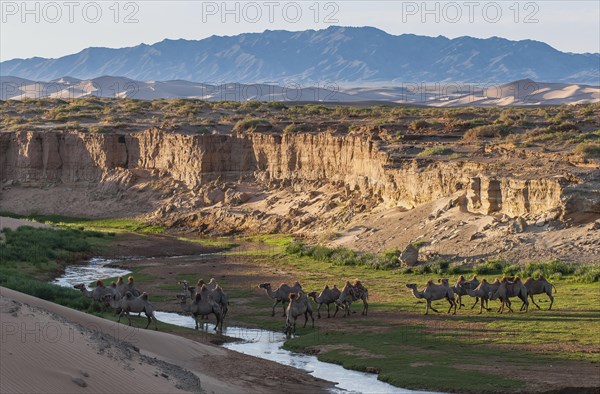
(57, 28)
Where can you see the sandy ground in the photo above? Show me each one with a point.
(15, 223)
(50, 348)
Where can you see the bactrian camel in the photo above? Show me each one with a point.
(327, 297)
(282, 294)
(130, 303)
(483, 293)
(539, 286)
(461, 287)
(508, 289)
(97, 294)
(202, 305)
(433, 292)
(350, 293)
(299, 305)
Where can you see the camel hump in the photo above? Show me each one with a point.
(335, 286)
(430, 281)
(99, 283)
(326, 287)
(130, 279)
(120, 279)
(474, 277)
(517, 279)
(145, 296)
(296, 283)
(200, 282)
(484, 280)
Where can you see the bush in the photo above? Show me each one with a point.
(487, 131)
(547, 269)
(490, 267)
(435, 151)
(588, 150)
(251, 124)
(511, 270)
(418, 124)
(587, 274)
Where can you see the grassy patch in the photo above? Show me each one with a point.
(108, 225)
(435, 151)
(588, 150)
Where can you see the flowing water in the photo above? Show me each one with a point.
(255, 342)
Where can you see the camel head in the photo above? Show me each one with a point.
(312, 294)
(411, 286)
(265, 286)
(79, 286)
(443, 281)
(183, 283)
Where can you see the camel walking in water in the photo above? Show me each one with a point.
(433, 292)
(326, 297)
(281, 294)
(539, 286)
(202, 305)
(508, 289)
(299, 305)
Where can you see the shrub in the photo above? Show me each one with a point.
(588, 274)
(250, 124)
(418, 124)
(435, 151)
(547, 269)
(487, 131)
(490, 267)
(511, 270)
(588, 150)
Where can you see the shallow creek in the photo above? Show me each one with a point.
(260, 343)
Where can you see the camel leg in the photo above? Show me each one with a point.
(532, 300)
(328, 315)
(551, 301)
(305, 319)
(366, 305)
(312, 318)
(274, 305)
(432, 308)
(476, 301)
(196, 320)
(319, 311)
(337, 308)
(149, 319)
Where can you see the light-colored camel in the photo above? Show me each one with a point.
(130, 303)
(483, 293)
(299, 305)
(433, 292)
(345, 299)
(189, 291)
(281, 294)
(349, 294)
(327, 297)
(461, 287)
(98, 293)
(508, 289)
(539, 286)
(202, 305)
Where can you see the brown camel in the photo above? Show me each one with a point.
(539, 286)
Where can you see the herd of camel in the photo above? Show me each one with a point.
(210, 299)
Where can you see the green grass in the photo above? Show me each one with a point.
(107, 225)
(435, 151)
(408, 357)
(221, 243)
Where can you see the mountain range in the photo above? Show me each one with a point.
(343, 55)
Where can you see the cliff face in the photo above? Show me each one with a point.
(352, 163)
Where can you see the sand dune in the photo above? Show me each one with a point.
(71, 348)
(522, 92)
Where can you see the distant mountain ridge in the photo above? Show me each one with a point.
(522, 92)
(344, 55)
